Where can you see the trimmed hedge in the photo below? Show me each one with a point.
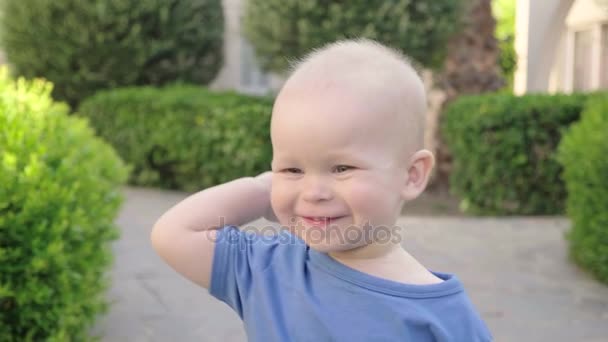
(83, 46)
(283, 30)
(584, 156)
(503, 148)
(59, 196)
(184, 137)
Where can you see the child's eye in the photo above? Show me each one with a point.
(342, 168)
(292, 170)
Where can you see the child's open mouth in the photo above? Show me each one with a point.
(320, 221)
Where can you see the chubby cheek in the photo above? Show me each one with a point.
(373, 201)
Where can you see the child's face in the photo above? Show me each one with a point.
(334, 157)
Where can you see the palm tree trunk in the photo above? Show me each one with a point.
(471, 67)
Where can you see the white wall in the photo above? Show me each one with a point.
(240, 71)
(539, 29)
(545, 42)
(585, 13)
(228, 77)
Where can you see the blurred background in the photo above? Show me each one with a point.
(112, 111)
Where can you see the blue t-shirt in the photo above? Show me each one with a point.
(285, 291)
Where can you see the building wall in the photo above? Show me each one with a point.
(546, 43)
(539, 27)
(586, 12)
(585, 37)
(241, 71)
(228, 77)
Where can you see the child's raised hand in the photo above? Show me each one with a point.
(265, 180)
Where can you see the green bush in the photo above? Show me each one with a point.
(584, 155)
(283, 30)
(59, 196)
(83, 46)
(184, 137)
(503, 148)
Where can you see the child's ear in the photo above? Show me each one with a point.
(418, 174)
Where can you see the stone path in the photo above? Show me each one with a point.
(515, 270)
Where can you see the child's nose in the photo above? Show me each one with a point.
(316, 189)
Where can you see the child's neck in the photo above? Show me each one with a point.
(388, 261)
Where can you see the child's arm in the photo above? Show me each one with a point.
(184, 236)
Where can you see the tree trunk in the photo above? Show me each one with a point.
(471, 67)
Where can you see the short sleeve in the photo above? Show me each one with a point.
(238, 258)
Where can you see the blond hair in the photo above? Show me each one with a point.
(375, 69)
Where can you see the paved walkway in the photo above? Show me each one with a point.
(515, 271)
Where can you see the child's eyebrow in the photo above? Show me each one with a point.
(343, 155)
(330, 156)
(276, 160)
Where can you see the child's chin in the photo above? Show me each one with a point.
(329, 248)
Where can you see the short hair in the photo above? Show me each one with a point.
(374, 67)
(344, 47)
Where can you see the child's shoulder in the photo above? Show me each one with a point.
(259, 247)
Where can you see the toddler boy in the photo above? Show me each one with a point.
(347, 134)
